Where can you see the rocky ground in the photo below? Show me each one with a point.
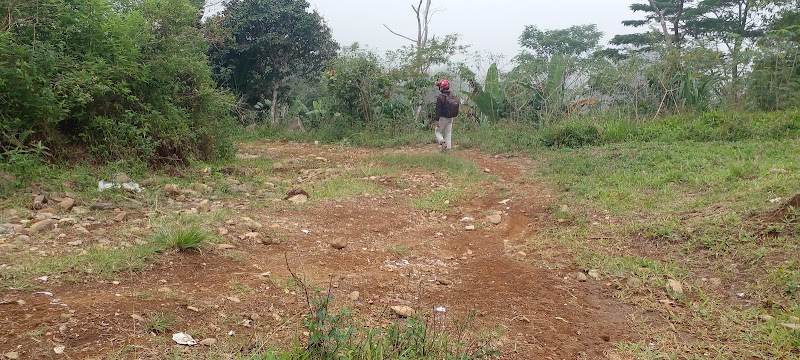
(359, 229)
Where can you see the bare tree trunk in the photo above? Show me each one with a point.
(273, 108)
(423, 15)
(663, 21)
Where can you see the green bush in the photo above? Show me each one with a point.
(119, 81)
(572, 134)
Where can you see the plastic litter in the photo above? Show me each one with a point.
(775, 200)
(440, 309)
(103, 185)
(184, 339)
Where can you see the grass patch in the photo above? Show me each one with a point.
(99, 262)
(182, 239)
(453, 166)
(344, 187)
(686, 210)
(160, 323)
(439, 200)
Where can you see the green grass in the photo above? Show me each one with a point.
(160, 323)
(183, 239)
(100, 262)
(448, 164)
(686, 210)
(440, 200)
(343, 187)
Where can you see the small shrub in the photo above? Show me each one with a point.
(160, 323)
(572, 134)
(182, 239)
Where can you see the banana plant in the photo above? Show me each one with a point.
(490, 100)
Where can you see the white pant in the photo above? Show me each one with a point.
(446, 125)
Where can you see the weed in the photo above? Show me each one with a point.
(343, 187)
(183, 239)
(439, 200)
(160, 323)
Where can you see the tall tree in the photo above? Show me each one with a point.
(733, 22)
(574, 41)
(669, 16)
(268, 42)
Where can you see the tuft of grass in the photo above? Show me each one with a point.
(343, 187)
(160, 323)
(453, 166)
(440, 200)
(182, 239)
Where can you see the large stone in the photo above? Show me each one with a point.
(205, 206)
(13, 355)
(675, 287)
(67, 204)
(403, 311)
(338, 244)
(298, 199)
(172, 190)
(495, 219)
(42, 226)
(123, 216)
(121, 178)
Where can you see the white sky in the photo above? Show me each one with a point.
(487, 25)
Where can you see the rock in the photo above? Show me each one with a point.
(495, 219)
(205, 206)
(594, 274)
(298, 199)
(766, 317)
(75, 243)
(633, 282)
(24, 238)
(581, 277)
(42, 226)
(403, 311)
(792, 326)
(208, 342)
(278, 167)
(13, 355)
(225, 246)
(192, 308)
(68, 221)
(59, 350)
(172, 190)
(38, 202)
(443, 281)
(354, 295)
(123, 216)
(80, 210)
(121, 178)
(254, 225)
(101, 206)
(674, 287)
(338, 244)
(81, 230)
(469, 227)
(67, 204)
(222, 231)
(251, 236)
(268, 241)
(233, 299)
(137, 318)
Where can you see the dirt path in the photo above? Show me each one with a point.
(396, 254)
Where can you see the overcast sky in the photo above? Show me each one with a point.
(486, 25)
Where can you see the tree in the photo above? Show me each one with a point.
(668, 15)
(574, 41)
(425, 52)
(268, 42)
(733, 22)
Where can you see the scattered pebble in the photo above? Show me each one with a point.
(581, 277)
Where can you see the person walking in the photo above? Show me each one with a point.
(447, 106)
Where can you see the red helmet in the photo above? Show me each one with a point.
(443, 84)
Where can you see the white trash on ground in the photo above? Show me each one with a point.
(129, 186)
(184, 339)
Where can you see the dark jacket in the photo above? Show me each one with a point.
(441, 102)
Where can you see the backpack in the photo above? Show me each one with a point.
(451, 106)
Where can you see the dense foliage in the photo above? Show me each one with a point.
(110, 79)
